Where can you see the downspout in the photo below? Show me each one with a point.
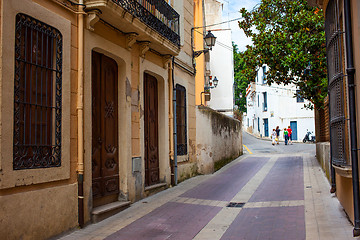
(80, 115)
(171, 127)
(350, 70)
(174, 120)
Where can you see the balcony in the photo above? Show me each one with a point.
(153, 21)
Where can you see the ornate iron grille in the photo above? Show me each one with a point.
(37, 94)
(157, 14)
(336, 85)
(181, 126)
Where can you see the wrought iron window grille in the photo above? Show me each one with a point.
(336, 88)
(37, 94)
(157, 14)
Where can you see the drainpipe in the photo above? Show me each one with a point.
(174, 120)
(350, 70)
(171, 127)
(80, 114)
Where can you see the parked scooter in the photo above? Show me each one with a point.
(309, 136)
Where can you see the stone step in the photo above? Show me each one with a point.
(100, 213)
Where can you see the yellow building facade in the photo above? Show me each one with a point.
(97, 109)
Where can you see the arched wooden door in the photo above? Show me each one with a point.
(105, 147)
(151, 130)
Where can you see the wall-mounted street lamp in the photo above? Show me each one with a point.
(212, 83)
(210, 40)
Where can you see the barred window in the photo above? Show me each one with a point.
(336, 82)
(181, 120)
(37, 94)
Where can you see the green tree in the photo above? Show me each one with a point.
(244, 63)
(289, 37)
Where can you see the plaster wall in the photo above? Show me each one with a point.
(198, 45)
(221, 59)
(222, 66)
(37, 203)
(218, 138)
(344, 194)
(344, 185)
(38, 214)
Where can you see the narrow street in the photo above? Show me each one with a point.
(277, 192)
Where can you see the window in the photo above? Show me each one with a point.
(181, 120)
(336, 83)
(264, 74)
(258, 122)
(37, 95)
(258, 100)
(265, 101)
(298, 97)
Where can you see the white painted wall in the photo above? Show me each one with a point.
(282, 108)
(222, 66)
(221, 60)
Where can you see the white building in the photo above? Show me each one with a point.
(276, 105)
(221, 63)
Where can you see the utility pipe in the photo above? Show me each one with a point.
(80, 114)
(171, 125)
(174, 120)
(350, 70)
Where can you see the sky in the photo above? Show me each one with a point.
(231, 11)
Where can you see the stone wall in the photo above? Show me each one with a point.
(218, 138)
(323, 156)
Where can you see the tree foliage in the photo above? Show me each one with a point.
(244, 63)
(288, 36)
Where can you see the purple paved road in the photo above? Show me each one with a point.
(182, 221)
(275, 223)
(171, 221)
(227, 184)
(285, 181)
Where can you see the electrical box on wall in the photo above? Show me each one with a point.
(136, 164)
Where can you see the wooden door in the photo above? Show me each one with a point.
(151, 130)
(105, 149)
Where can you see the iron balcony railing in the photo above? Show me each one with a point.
(157, 14)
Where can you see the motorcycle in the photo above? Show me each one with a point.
(309, 137)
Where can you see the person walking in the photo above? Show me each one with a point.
(277, 134)
(286, 136)
(273, 137)
(289, 134)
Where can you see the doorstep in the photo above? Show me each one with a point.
(102, 212)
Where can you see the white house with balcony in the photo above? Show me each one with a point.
(276, 105)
